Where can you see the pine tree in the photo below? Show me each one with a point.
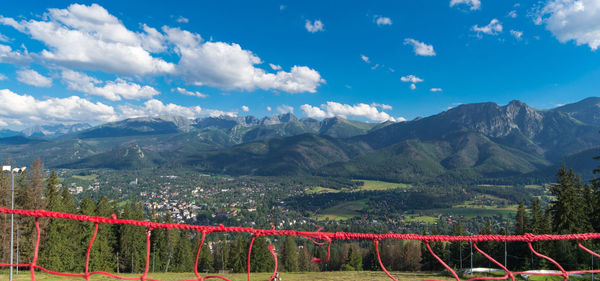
(132, 252)
(303, 259)
(103, 252)
(4, 218)
(520, 254)
(457, 249)
(521, 220)
(569, 209)
(289, 255)
(353, 260)
(55, 231)
(30, 188)
(84, 230)
(205, 259)
(595, 200)
(262, 260)
(183, 259)
(428, 260)
(72, 237)
(238, 254)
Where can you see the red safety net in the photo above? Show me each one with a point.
(318, 237)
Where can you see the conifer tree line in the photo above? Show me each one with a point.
(122, 248)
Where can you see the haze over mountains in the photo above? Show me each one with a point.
(477, 142)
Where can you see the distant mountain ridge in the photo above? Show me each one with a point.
(469, 142)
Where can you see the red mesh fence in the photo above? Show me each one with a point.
(318, 237)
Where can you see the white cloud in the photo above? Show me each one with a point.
(383, 106)
(7, 55)
(275, 66)
(4, 38)
(112, 90)
(314, 26)
(3, 77)
(420, 48)
(572, 20)
(512, 14)
(411, 78)
(436, 90)
(229, 67)
(285, 109)
(281, 7)
(245, 108)
(88, 37)
(18, 109)
(155, 107)
(517, 34)
(269, 108)
(182, 19)
(381, 20)
(492, 28)
(365, 58)
(333, 109)
(473, 4)
(33, 78)
(190, 93)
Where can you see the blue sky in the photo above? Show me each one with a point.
(66, 62)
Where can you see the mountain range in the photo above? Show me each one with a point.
(471, 142)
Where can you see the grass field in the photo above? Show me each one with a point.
(382, 185)
(86, 178)
(368, 185)
(320, 189)
(420, 218)
(474, 212)
(342, 211)
(323, 276)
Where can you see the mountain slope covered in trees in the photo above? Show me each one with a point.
(470, 142)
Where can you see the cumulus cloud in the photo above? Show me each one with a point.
(275, 66)
(381, 20)
(517, 34)
(512, 14)
(365, 58)
(314, 26)
(111, 90)
(89, 37)
(228, 66)
(383, 106)
(33, 78)
(285, 109)
(572, 20)
(333, 109)
(245, 108)
(269, 108)
(436, 90)
(492, 28)
(412, 79)
(18, 109)
(155, 107)
(190, 93)
(7, 55)
(182, 19)
(473, 4)
(420, 48)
